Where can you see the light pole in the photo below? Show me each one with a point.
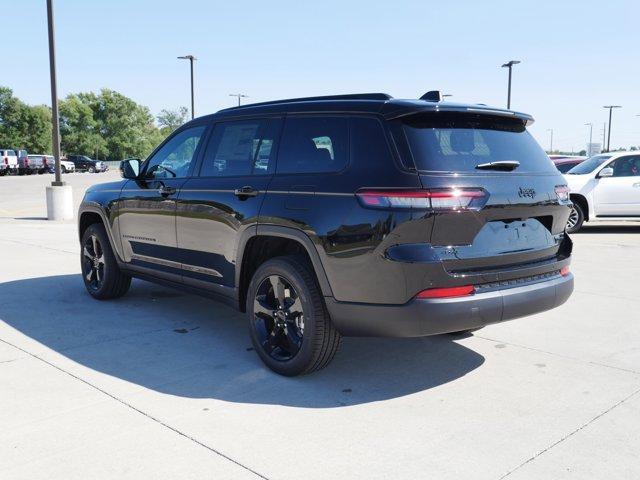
(510, 65)
(551, 141)
(59, 196)
(590, 138)
(610, 107)
(191, 59)
(239, 96)
(54, 96)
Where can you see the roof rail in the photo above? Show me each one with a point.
(350, 96)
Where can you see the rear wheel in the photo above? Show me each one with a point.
(576, 218)
(289, 325)
(100, 272)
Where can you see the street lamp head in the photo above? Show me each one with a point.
(511, 63)
(187, 57)
(612, 106)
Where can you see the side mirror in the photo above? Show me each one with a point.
(606, 172)
(130, 168)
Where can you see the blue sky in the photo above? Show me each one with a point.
(576, 55)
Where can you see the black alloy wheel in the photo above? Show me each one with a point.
(278, 318)
(93, 263)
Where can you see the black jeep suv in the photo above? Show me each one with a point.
(343, 215)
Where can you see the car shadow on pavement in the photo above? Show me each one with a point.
(184, 345)
(610, 229)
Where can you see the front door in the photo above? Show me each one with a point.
(223, 199)
(147, 207)
(619, 195)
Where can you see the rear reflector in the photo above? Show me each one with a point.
(449, 199)
(447, 292)
(564, 271)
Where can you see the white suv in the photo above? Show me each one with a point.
(605, 187)
(8, 161)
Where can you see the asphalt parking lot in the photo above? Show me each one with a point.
(162, 384)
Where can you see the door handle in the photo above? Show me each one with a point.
(245, 191)
(166, 191)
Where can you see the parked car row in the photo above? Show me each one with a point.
(19, 162)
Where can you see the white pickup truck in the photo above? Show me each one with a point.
(8, 161)
(604, 187)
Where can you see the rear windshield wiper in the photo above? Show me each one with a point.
(505, 165)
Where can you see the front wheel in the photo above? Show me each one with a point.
(91, 170)
(576, 219)
(100, 272)
(289, 324)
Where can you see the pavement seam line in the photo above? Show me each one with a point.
(567, 357)
(570, 434)
(150, 417)
(8, 240)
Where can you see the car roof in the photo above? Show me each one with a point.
(372, 103)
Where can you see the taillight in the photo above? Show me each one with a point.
(6, 160)
(444, 199)
(44, 161)
(26, 162)
(448, 292)
(564, 271)
(562, 192)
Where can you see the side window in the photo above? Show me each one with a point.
(314, 145)
(626, 167)
(174, 157)
(239, 148)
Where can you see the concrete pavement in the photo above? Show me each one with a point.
(161, 384)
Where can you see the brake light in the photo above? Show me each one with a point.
(562, 192)
(26, 162)
(445, 199)
(448, 292)
(6, 160)
(564, 271)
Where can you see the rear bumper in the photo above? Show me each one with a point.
(423, 317)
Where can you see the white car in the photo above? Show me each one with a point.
(604, 187)
(8, 161)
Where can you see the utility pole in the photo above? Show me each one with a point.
(610, 107)
(239, 96)
(509, 65)
(191, 59)
(551, 142)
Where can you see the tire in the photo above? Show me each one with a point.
(63, 169)
(576, 219)
(311, 329)
(91, 170)
(100, 272)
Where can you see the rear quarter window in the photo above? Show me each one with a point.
(314, 145)
(455, 142)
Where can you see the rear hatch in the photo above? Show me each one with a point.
(512, 206)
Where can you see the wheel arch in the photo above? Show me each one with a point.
(583, 202)
(90, 214)
(266, 242)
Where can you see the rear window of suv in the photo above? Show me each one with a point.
(458, 142)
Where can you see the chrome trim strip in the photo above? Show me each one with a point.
(172, 264)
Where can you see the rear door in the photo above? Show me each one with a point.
(223, 199)
(147, 207)
(619, 195)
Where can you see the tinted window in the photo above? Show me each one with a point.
(240, 148)
(314, 145)
(369, 147)
(455, 142)
(589, 165)
(626, 167)
(565, 167)
(175, 156)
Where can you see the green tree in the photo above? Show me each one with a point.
(22, 125)
(169, 120)
(79, 130)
